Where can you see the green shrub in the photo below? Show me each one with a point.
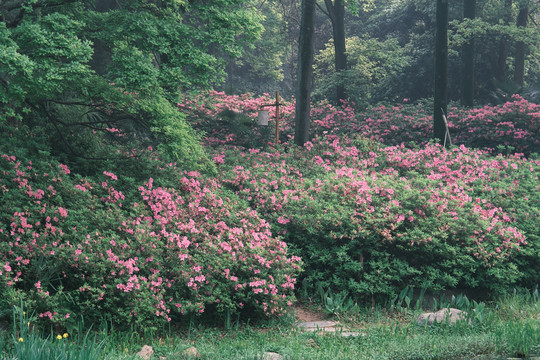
(73, 246)
(371, 220)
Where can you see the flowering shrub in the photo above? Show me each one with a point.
(365, 218)
(370, 220)
(513, 124)
(212, 112)
(71, 246)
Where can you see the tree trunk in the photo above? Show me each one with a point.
(336, 11)
(519, 60)
(441, 70)
(305, 73)
(500, 71)
(467, 59)
(101, 56)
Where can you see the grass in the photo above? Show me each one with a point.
(509, 327)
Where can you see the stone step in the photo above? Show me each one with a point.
(328, 327)
(317, 324)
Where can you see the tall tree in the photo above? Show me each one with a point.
(441, 69)
(467, 59)
(502, 56)
(519, 56)
(305, 73)
(336, 12)
(91, 73)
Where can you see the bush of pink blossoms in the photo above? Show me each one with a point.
(424, 217)
(513, 124)
(72, 247)
(370, 220)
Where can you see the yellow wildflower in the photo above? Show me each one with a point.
(59, 337)
(21, 339)
(65, 335)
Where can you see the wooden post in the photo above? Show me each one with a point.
(276, 104)
(277, 117)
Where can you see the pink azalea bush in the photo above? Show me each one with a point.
(371, 219)
(72, 247)
(514, 124)
(364, 217)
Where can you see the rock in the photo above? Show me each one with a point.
(271, 356)
(327, 327)
(323, 330)
(451, 315)
(191, 352)
(146, 352)
(317, 324)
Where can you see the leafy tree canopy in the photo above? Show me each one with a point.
(114, 69)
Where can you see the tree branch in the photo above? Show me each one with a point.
(323, 10)
(55, 122)
(331, 8)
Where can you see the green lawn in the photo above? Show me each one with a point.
(509, 327)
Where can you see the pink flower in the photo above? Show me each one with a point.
(64, 168)
(46, 314)
(283, 220)
(111, 175)
(219, 159)
(63, 212)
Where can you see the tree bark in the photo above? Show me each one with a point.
(441, 70)
(101, 56)
(336, 12)
(519, 59)
(305, 73)
(467, 59)
(500, 70)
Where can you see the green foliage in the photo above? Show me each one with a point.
(261, 65)
(132, 68)
(74, 70)
(336, 304)
(27, 342)
(412, 23)
(178, 142)
(74, 246)
(480, 29)
(367, 220)
(373, 68)
(519, 332)
(520, 337)
(508, 329)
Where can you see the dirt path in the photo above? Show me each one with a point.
(303, 314)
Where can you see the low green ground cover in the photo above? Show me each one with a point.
(509, 327)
